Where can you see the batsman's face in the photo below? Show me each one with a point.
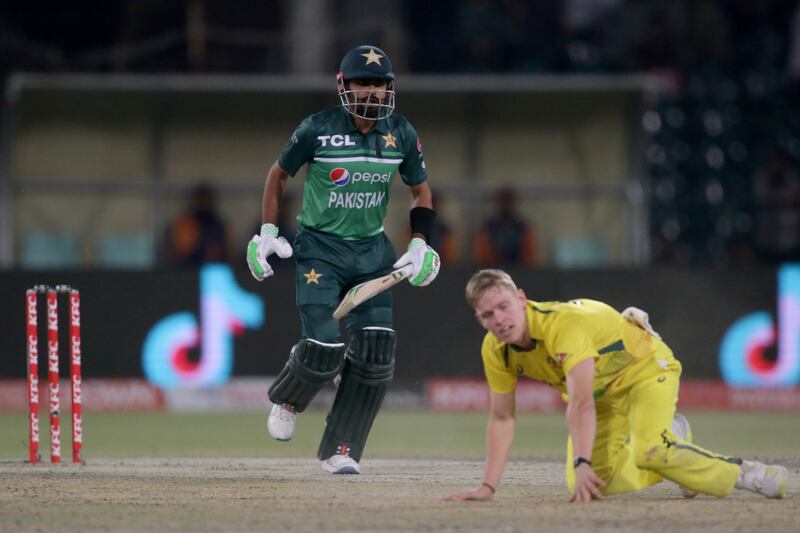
(369, 94)
(502, 311)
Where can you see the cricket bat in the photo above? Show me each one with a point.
(364, 291)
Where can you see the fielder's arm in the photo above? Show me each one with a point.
(582, 424)
(499, 436)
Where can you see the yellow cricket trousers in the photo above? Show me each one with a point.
(634, 446)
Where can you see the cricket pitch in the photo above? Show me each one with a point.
(279, 494)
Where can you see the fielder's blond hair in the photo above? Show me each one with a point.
(486, 279)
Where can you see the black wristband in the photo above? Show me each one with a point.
(422, 219)
(579, 460)
(484, 484)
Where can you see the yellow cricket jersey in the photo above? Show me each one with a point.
(563, 335)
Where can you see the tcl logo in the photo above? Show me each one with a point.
(335, 140)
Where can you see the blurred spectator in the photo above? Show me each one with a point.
(776, 190)
(199, 235)
(505, 238)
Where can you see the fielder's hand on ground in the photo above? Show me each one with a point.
(261, 246)
(425, 261)
(587, 484)
(482, 493)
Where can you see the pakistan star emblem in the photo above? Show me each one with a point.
(390, 140)
(372, 57)
(312, 277)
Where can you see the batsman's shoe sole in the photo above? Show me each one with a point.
(340, 464)
(773, 482)
(346, 470)
(781, 475)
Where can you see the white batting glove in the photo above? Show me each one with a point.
(423, 259)
(261, 246)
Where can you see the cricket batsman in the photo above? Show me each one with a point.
(353, 153)
(620, 381)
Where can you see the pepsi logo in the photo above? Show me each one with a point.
(340, 176)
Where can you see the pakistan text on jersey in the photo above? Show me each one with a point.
(356, 200)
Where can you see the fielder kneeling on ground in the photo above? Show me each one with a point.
(621, 381)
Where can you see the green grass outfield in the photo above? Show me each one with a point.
(396, 434)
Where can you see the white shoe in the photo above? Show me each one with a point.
(768, 480)
(682, 430)
(340, 464)
(281, 422)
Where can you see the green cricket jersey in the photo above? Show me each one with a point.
(349, 173)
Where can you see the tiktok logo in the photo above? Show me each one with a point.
(742, 353)
(225, 310)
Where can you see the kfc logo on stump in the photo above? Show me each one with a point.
(340, 176)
